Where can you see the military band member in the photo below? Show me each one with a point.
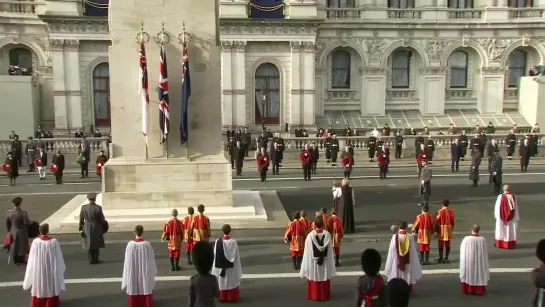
(398, 144)
(496, 172)
(92, 225)
(295, 234)
(306, 161)
(263, 164)
(474, 168)
(201, 226)
(315, 157)
(335, 228)
(525, 153)
(276, 158)
(420, 158)
(383, 160)
(239, 153)
(347, 159)
(423, 226)
(327, 147)
(334, 150)
(455, 155)
(425, 183)
(418, 142)
(203, 287)
(371, 147)
(463, 144)
(188, 233)
(306, 223)
(371, 288)
(173, 233)
(430, 148)
(444, 221)
(511, 142)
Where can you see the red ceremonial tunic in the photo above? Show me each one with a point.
(201, 228)
(444, 219)
(469, 289)
(45, 301)
(142, 300)
(307, 224)
(295, 234)
(188, 233)
(424, 224)
(336, 230)
(174, 233)
(507, 213)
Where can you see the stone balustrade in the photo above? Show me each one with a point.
(15, 7)
(68, 146)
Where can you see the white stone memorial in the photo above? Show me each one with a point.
(136, 189)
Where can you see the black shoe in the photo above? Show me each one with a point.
(172, 268)
(189, 262)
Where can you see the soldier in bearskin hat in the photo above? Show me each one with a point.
(204, 289)
(371, 286)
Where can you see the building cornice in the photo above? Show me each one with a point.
(75, 24)
(269, 27)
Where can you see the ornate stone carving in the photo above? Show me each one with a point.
(296, 46)
(226, 45)
(320, 70)
(436, 48)
(494, 47)
(268, 47)
(56, 44)
(74, 26)
(406, 36)
(374, 48)
(309, 46)
(239, 45)
(71, 43)
(100, 46)
(432, 70)
(493, 70)
(45, 70)
(245, 27)
(372, 70)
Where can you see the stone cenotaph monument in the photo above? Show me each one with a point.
(142, 190)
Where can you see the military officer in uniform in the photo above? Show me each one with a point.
(463, 145)
(371, 147)
(430, 149)
(496, 171)
(511, 141)
(334, 150)
(327, 146)
(91, 225)
(398, 144)
(474, 168)
(475, 143)
(425, 183)
(17, 223)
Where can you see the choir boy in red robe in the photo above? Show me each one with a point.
(371, 288)
(474, 265)
(173, 232)
(45, 271)
(337, 233)
(139, 271)
(444, 221)
(423, 225)
(295, 235)
(188, 233)
(226, 267)
(201, 226)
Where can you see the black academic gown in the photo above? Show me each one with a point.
(348, 209)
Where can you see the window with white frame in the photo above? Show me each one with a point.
(520, 3)
(401, 68)
(340, 69)
(341, 4)
(517, 67)
(459, 62)
(401, 4)
(460, 4)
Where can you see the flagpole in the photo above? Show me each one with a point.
(163, 39)
(143, 38)
(183, 41)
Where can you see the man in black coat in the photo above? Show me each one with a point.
(455, 155)
(58, 159)
(463, 145)
(398, 144)
(17, 149)
(511, 142)
(496, 172)
(85, 153)
(371, 147)
(276, 158)
(315, 157)
(246, 139)
(474, 168)
(239, 153)
(525, 153)
(91, 225)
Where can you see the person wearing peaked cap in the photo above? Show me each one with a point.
(425, 183)
(399, 293)
(92, 225)
(371, 288)
(203, 287)
(17, 223)
(476, 159)
(496, 164)
(538, 276)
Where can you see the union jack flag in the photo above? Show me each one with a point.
(164, 114)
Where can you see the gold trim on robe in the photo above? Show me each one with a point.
(403, 245)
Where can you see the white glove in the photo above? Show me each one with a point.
(422, 182)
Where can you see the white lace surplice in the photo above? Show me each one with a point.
(506, 232)
(474, 266)
(45, 269)
(139, 269)
(232, 275)
(413, 270)
(309, 266)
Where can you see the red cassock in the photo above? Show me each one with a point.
(421, 158)
(99, 168)
(262, 161)
(53, 168)
(188, 233)
(173, 232)
(305, 156)
(347, 161)
(38, 162)
(6, 167)
(383, 159)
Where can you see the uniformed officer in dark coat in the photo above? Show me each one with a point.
(371, 147)
(425, 183)
(484, 139)
(417, 141)
(91, 224)
(31, 150)
(430, 149)
(334, 149)
(239, 153)
(17, 223)
(511, 142)
(491, 151)
(327, 147)
(203, 287)
(17, 150)
(496, 171)
(475, 143)
(455, 155)
(315, 157)
(398, 144)
(474, 168)
(463, 145)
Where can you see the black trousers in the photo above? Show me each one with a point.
(497, 188)
(314, 167)
(245, 148)
(307, 170)
(238, 165)
(232, 157)
(276, 166)
(58, 176)
(419, 170)
(31, 167)
(347, 174)
(524, 163)
(263, 175)
(18, 259)
(371, 153)
(334, 154)
(383, 169)
(92, 255)
(398, 151)
(455, 163)
(84, 167)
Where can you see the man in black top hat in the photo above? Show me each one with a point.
(91, 224)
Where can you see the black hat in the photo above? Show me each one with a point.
(540, 250)
(203, 257)
(92, 196)
(399, 293)
(17, 201)
(370, 262)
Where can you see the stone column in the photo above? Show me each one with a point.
(373, 91)
(59, 85)
(308, 86)
(502, 3)
(73, 87)
(227, 83)
(239, 83)
(432, 95)
(294, 109)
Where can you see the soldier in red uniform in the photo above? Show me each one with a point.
(173, 233)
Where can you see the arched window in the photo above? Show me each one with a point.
(401, 68)
(458, 69)
(340, 69)
(21, 57)
(267, 94)
(400, 4)
(341, 4)
(460, 4)
(517, 67)
(101, 94)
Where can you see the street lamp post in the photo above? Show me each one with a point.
(263, 99)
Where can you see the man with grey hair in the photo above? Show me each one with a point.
(173, 233)
(92, 225)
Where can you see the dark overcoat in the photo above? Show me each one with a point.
(91, 220)
(474, 168)
(17, 223)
